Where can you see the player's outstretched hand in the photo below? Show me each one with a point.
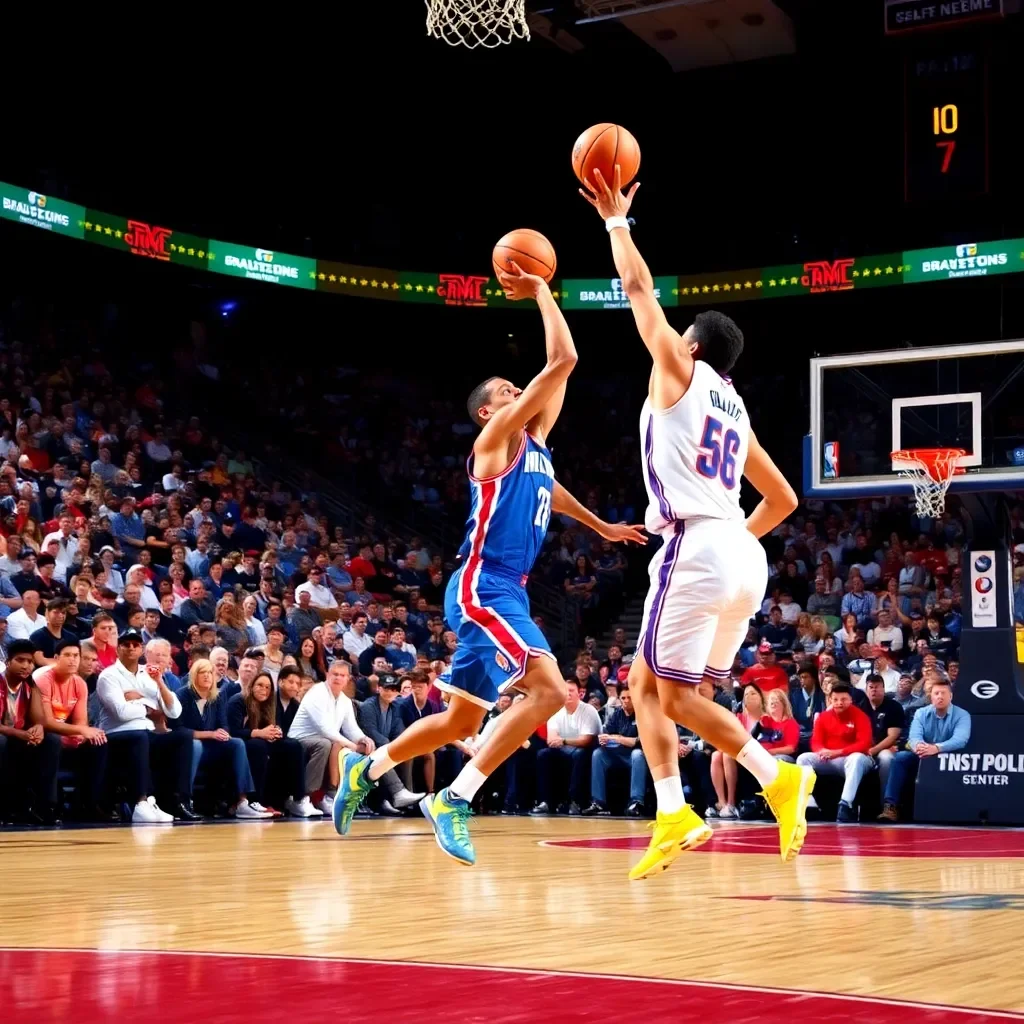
(609, 202)
(623, 533)
(520, 285)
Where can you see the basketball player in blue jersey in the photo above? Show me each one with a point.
(513, 492)
(710, 575)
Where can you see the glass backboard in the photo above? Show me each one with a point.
(866, 405)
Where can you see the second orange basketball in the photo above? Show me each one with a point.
(529, 249)
(603, 146)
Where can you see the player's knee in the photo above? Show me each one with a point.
(548, 693)
(464, 719)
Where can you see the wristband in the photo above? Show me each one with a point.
(615, 222)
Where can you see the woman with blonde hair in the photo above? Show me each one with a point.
(780, 731)
(222, 756)
(724, 771)
(805, 634)
(275, 761)
(229, 620)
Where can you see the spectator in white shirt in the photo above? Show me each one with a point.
(790, 609)
(67, 545)
(572, 732)
(26, 620)
(884, 668)
(356, 640)
(135, 705)
(136, 576)
(325, 724)
(253, 626)
(885, 634)
(319, 595)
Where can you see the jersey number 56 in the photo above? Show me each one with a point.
(718, 457)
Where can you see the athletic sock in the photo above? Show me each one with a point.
(380, 762)
(467, 783)
(758, 762)
(670, 794)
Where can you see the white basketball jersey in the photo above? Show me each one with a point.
(694, 453)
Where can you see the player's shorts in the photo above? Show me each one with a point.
(707, 580)
(490, 614)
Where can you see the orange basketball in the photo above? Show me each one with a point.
(530, 249)
(602, 147)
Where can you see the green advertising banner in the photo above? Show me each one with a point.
(606, 293)
(814, 277)
(972, 259)
(143, 239)
(262, 265)
(41, 211)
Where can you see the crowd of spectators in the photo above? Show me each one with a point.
(181, 638)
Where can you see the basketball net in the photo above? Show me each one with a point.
(473, 23)
(930, 471)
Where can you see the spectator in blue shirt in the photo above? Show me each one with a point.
(940, 728)
(859, 602)
(396, 652)
(129, 529)
(337, 573)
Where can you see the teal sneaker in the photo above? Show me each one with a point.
(450, 817)
(352, 790)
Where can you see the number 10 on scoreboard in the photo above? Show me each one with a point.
(945, 121)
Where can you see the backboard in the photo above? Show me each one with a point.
(868, 404)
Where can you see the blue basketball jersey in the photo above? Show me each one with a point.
(509, 513)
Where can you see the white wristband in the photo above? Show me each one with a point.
(615, 222)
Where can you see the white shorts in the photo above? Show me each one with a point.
(707, 580)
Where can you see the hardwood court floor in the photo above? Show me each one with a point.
(930, 916)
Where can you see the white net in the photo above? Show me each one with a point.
(930, 472)
(473, 23)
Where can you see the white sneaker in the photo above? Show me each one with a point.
(403, 798)
(246, 810)
(145, 813)
(728, 811)
(712, 812)
(326, 805)
(257, 806)
(301, 808)
(161, 815)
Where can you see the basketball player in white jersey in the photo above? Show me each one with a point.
(710, 574)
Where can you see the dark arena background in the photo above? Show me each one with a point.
(245, 291)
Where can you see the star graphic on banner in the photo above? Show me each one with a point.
(686, 291)
(794, 280)
(736, 286)
(322, 276)
(430, 289)
(191, 251)
(200, 254)
(362, 281)
(888, 270)
(108, 231)
(408, 287)
(757, 284)
(211, 256)
(394, 286)
(373, 284)
(878, 271)
(343, 280)
(771, 283)
(705, 289)
(856, 273)
(332, 277)
(174, 248)
(726, 287)
(419, 287)
(88, 225)
(747, 284)
(98, 228)
(714, 288)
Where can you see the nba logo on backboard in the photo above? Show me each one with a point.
(831, 453)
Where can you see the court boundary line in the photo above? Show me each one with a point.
(583, 975)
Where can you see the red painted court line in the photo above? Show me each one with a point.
(160, 987)
(841, 841)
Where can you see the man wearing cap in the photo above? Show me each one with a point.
(767, 673)
(29, 756)
(135, 705)
(320, 596)
(47, 637)
(380, 720)
(128, 528)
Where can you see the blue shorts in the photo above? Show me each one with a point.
(491, 617)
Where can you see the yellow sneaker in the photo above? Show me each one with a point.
(673, 834)
(787, 797)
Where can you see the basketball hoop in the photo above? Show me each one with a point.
(930, 470)
(473, 23)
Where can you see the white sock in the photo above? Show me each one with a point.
(380, 762)
(758, 762)
(670, 794)
(467, 783)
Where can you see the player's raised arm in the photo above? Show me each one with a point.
(563, 501)
(538, 406)
(778, 499)
(669, 352)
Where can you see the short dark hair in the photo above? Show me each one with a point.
(874, 678)
(100, 617)
(842, 687)
(286, 672)
(360, 615)
(942, 681)
(68, 642)
(480, 395)
(719, 340)
(56, 604)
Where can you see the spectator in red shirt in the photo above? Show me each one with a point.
(839, 746)
(723, 767)
(766, 674)
(780, 731)
(362, 565)
(59, 702)
(104, 638)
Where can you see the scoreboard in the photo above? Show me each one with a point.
(946, 125)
